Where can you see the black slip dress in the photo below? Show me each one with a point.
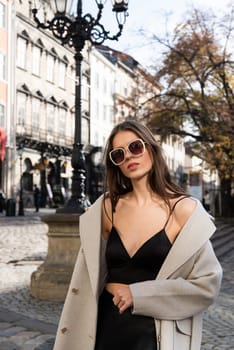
(126, 331)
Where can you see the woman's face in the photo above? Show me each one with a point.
(133, 167)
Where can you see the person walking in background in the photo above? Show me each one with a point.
(2, 201)
(36, 194)
(206, 200)
(146, 269)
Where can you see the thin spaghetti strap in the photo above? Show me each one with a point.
(112, 217)
(172, 209)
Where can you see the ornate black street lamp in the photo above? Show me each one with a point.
(74, 32)
(21, 202)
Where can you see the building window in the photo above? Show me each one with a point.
(105, 109)
(97, 109)
(105, 86)
(50, 68)
(73, 77)
(36, 106)
(62, 73)
(72, 124)
(85, 130)
(50, 117)
(21, 108)
(97, 81)
(2, 115)
(2, 16)
(62, 121)
(2, 66)
(96, 138)
(85, 89)
(21, 52)
(36, 59)
(112, 114)
(112, 87)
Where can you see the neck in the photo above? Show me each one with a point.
(142, 192)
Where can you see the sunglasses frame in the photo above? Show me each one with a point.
(124, 151)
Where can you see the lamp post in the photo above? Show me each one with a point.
(21, 202)
(74, 32)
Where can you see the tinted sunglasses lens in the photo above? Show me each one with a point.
(117, 156)
(136, 147)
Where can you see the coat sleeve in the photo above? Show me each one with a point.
(180, 296)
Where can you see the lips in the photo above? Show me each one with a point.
(133, 166)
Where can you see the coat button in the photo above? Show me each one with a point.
(75, 291)
(64, 330)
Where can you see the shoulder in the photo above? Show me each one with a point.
(183, 209)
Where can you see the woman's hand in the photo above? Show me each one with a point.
(122, 295)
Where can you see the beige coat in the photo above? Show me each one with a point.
(186, 285)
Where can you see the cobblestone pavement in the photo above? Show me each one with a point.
(30, 324)
(218, 330)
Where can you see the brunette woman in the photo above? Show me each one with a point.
(146, 269)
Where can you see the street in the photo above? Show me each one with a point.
(30, 324)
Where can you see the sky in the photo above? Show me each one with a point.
(149, 15)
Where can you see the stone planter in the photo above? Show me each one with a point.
(51, 280)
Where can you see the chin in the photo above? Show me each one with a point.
(138, 176)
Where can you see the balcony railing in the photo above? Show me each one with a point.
(35, 133)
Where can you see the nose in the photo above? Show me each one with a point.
(128, 154)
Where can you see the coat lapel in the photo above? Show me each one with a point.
(196, 231)
(90, 235)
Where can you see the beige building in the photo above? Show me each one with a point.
(7, 143)
(44, 99)
(39, 100)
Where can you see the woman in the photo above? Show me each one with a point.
(146, 269)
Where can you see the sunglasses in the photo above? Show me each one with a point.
(136, 148)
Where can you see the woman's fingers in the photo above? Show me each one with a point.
(124, 305)
(116, 300)
(123, 299)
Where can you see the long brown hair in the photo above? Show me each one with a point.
(160, 180)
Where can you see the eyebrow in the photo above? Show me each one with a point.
(138, 138)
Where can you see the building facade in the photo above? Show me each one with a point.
(103, 85)
(7, 140)
(37, 104)
(44, 116)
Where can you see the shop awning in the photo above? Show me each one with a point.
(2, 143)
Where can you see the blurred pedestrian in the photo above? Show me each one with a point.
(36, 198)
(206, 200)
(2, 201)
